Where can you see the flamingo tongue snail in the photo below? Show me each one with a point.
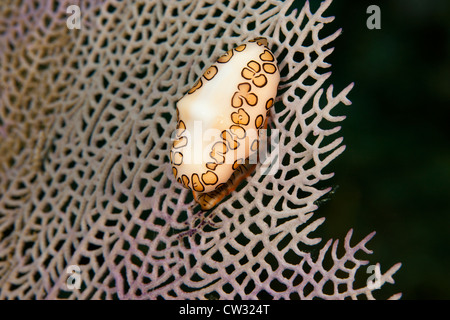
(219, 121)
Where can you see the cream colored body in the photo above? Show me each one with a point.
(220, 117)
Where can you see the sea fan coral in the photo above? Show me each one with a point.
(85, 179)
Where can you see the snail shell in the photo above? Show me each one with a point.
(219, 121)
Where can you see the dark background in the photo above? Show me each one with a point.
(394, 176)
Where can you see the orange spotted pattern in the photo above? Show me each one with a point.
(253, 75)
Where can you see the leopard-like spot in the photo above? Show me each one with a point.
(240, 48)
(237, 163)
(242, 94)
(259, 121)
(185, 181)
(252, 72)
(196, 86)
(261, 41)
(211, 165)
(210, 73)
(179, 143)
(269, 103)
(269, 68)
(196, 183)
(238, 131)
(266, 56)
(255, 145)
(175, 171)
(217, 152)
(232, 143)
(240, 117)
(225, 57)
(177, 158)
(209, 178)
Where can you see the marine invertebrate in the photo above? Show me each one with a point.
(230, 102)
